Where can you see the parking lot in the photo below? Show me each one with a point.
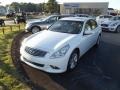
(98, 69)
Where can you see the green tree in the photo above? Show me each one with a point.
(15, 6)
(51, 6)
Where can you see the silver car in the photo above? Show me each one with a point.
(44, 23)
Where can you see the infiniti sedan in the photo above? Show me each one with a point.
(59, 48)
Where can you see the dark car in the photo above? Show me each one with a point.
(20, 19)
(10, 15)
(44, 23)
(2, 23)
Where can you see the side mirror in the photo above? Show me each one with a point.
(87, 32)
(47, 21)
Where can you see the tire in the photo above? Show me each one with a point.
(98, 41)
(117, 29)
(73, 60)
(35, 29)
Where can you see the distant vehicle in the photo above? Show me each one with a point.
(112, 12)
(2, 23)
(82, 15)
(103, 18)
(20, 19)
(112, 24)
(9, 15)
(59, 48)
(43, 23)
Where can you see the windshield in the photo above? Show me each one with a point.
(46, 18)
(66, 26)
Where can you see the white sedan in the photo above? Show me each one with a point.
(112, 24)
(59, 48)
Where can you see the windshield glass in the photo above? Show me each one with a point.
(46, 18)
(65, 26)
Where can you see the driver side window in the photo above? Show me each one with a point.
(88, 26)
(52, 19)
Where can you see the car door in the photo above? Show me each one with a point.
(95, 31)
(86, 38)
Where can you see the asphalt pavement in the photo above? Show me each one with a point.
(98, 69)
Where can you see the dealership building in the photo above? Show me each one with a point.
(92, 8)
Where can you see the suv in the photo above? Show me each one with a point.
(20, 19)
(44, 23)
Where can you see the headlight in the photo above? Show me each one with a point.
(113, 24)
(60, 53)
(28, 25)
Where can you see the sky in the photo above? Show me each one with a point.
(112, 3)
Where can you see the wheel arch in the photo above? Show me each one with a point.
(35, 26)
(78, 51)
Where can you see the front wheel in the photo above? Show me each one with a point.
(35, 29)
(118, 29)
(73, 60)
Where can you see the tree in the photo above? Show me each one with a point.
(15, 6)
(51, 6)
(26, 7)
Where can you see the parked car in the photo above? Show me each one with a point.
(82, 15)
(103, 18)
(10, 15)
(44, 23)
(2, 23)
(59, 48)
(112, 24)
(20, 19)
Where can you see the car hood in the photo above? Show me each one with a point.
(109, 22)
(49, 40)
(102, 20)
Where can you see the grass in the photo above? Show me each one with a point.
(9, 28)
(9, 77)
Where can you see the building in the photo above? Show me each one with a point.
(3, 10)
(91, 8)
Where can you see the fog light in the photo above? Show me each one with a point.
(112, 29)
(54, 67)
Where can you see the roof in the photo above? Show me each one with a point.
(76, 18)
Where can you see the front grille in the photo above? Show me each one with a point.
(35, 52)
(105, 29)
(104, 25)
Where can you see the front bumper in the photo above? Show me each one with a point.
(58, 65)
(112, 29)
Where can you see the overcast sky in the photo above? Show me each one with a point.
(112, 3)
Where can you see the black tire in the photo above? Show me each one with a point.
(73, 63)
(117, 29)
(35, 29)
(98, 41)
